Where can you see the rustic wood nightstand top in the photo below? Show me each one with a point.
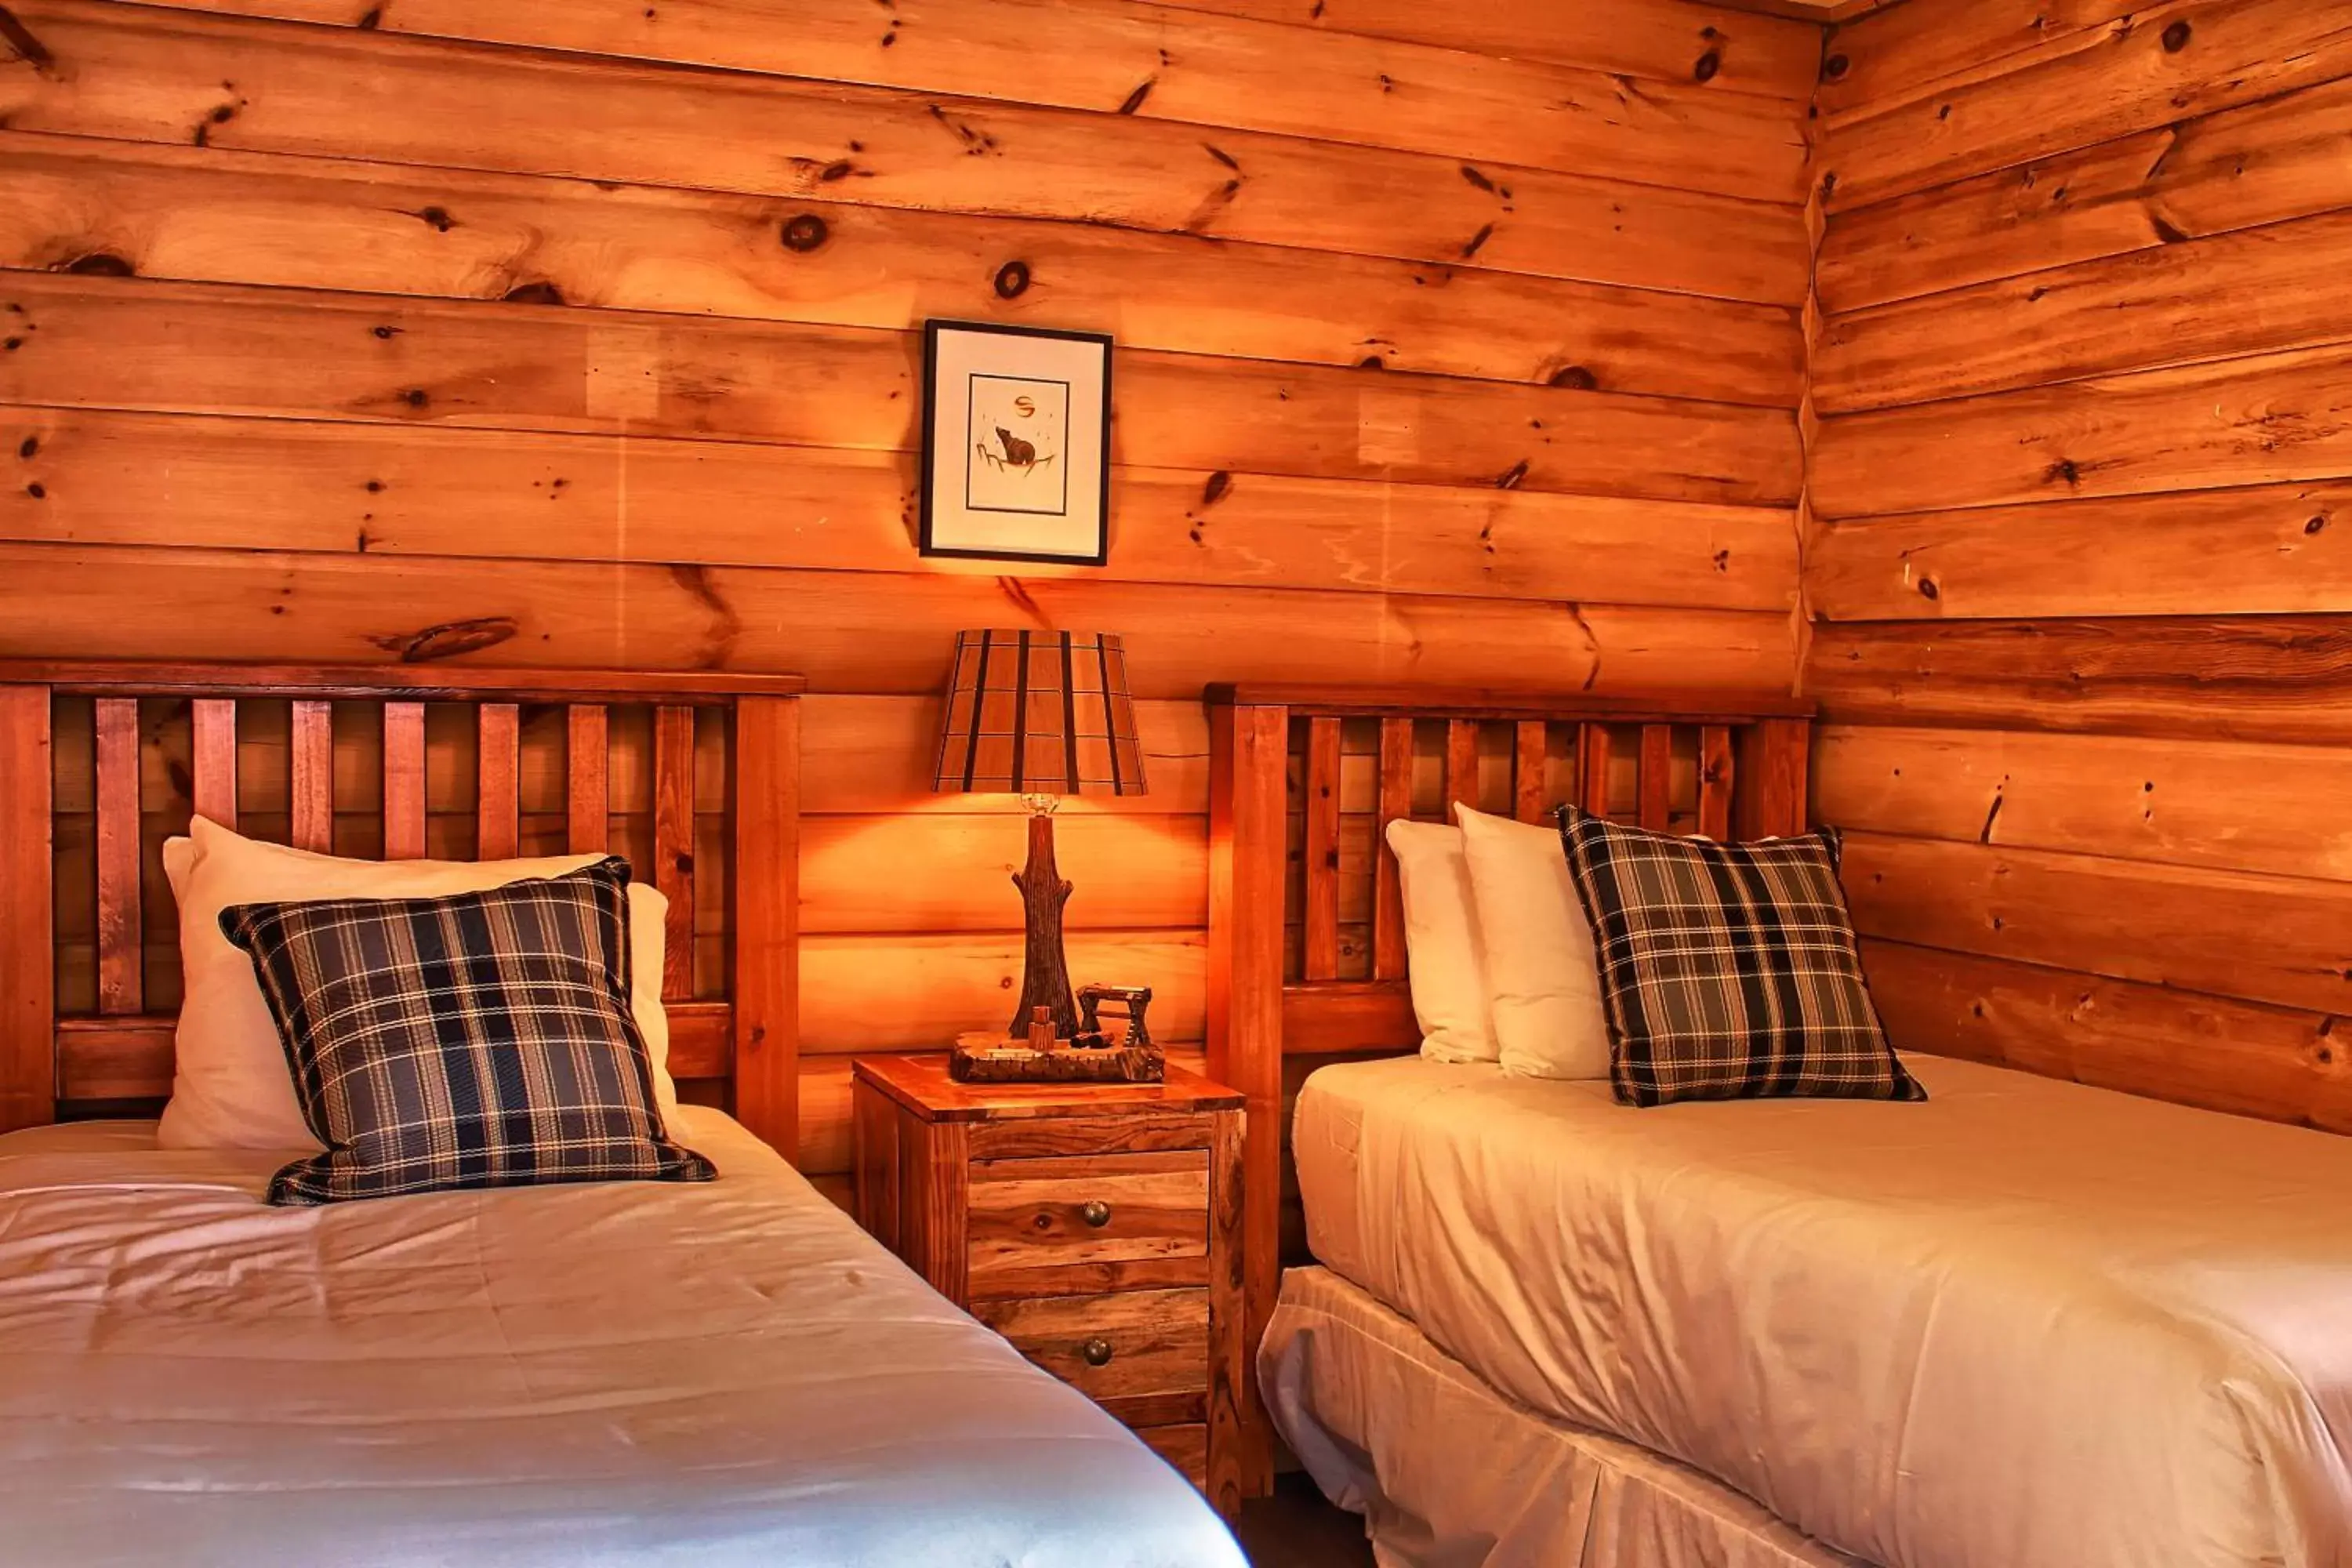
(921, 1085)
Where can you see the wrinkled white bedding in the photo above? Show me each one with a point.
(618, 1373)
(2024, 1325)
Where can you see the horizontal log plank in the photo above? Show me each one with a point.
(920, 873)
(2274, 548)
(2067, 323)
(2259, 420)
(1116, 55)
(2266, 162)
(2269, 1062)
(868, 993)
(872, 754)
(2223, 805)
(157, 76)
(876, 631)
(2159, 925)
(1897, 53)
(1777, 56)
(203, 214)
(2090, 86)
(137, 343)
(279, 484)
(2270, 678)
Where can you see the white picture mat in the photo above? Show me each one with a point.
(1076, 448)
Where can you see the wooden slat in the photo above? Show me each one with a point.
(1527, 758)
(1672, 704)
(1321, 909)
(28, 961)
(213, 762)
(1237, 1471)
(674, 843)
(1239, 73)
(121, 1057)
(1717, 782)
(498, 819)
(197, 214)
(1657, 776)
(144, 344)
(1461, 782)
(1593, 769)
(121, 938)
(501, 109)
(2247, 678)
(588, 790)
(328, 680)
(765, 874)
(701, 1039)
(313, 783)
(282, 484)
(1395, 803)
(403, 781)
(1773, 763)
(1249, 748)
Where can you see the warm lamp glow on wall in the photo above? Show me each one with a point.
(1040, 715)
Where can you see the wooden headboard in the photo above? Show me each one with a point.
(1306, 953)
(99, 762)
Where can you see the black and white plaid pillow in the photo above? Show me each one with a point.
(1728, 970)
(477, 1040)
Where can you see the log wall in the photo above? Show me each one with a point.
(1460, 345)
(2081, 582)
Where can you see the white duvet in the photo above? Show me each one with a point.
(2026, 1324)
(627, 1372)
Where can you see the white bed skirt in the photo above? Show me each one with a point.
(1449, 1474)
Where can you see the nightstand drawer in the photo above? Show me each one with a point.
(1027, 1216)
(1136, 1345)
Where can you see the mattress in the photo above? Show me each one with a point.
(1449, 1474)
(2026, 1324)
(615, 1373)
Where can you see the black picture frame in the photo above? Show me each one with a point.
(929, 543)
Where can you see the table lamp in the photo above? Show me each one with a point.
(1040, 715)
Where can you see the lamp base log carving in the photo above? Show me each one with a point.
(1044, 972)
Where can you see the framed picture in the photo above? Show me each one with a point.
(1016, 443)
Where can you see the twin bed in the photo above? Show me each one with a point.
(602, 1373)
(2023, 1324)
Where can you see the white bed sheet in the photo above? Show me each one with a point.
(624, 1373)
(2026, 1324)
(1449, 1474)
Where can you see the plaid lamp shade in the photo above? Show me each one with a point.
(1039, 713)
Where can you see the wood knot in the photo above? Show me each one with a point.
(1510, 478)
(385, 333)
(1708, 64)
(839, 169)
(2064, 470)
(1576, 376)
(1834, 67)
(1215, 489)
(539, 293)
(1013, 281)
(1929, 590)
(448, 639)
(805, 232)
(99, 264)
(372, 19)
(2176, 37)
(2313, 526)
(37, 491)
(28, 446)
(415, 397)
(437, 217)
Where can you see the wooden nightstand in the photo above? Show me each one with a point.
(1094, 1226)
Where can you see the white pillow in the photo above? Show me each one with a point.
(1543, 979)
(231, 1087)
(1442, 961)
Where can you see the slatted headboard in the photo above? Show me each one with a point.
(1306, 953)
(98, 762)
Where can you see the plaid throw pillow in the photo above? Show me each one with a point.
(479, 1040)
(1728, 970)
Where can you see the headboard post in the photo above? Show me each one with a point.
(1248, 753)
(766, 960)
(28, 1065)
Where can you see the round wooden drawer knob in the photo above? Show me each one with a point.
(1096, 1352)
(1095, 1212)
